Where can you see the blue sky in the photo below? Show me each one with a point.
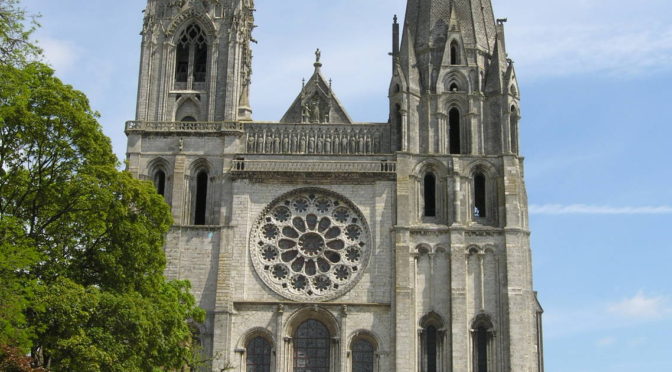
(595, 80)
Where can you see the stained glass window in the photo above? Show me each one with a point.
(258, 355)
(311, 347)
(362, 356)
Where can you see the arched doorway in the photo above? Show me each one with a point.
(312, 343)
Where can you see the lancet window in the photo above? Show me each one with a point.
(482, 345)
(429, 186)
(201, 198)
(480, 196)
(454, 53)
(454, 131)
(160, 182)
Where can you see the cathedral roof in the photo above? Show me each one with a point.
(429, 20)
(317, 102)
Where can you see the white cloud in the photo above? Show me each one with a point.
(641, 307)
(568, 37)
(61, 54)
(606, 341)
(560, 209)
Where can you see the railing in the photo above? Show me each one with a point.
(312, 166)
(321, 139)
(185, 126)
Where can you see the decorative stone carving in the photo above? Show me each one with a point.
(314, 140)
(310, 245)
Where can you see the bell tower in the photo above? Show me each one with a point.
(463, 258)
(195, 61)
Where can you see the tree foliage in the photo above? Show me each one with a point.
(81, 258)
(15, 44)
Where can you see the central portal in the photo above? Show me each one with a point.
(311, 347)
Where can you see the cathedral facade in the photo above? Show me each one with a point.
(319, 244)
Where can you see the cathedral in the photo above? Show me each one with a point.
(316, 243)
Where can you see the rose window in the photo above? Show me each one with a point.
(310, 245)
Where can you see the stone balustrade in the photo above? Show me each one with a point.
(215, 127)
(315, 166)
(321, 139)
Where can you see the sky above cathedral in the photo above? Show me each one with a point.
(595, 79)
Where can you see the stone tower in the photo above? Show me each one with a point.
(317, 243)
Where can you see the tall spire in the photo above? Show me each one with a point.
(429, 20)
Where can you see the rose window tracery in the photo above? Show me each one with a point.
(310, 244)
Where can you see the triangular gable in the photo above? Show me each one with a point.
(317, 103)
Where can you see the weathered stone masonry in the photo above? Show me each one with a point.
(317, 243)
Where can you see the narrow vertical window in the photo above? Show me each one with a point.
(200, 62)
(513, 119)
(430, 195)
(481, 349)
(160, 182)
(258, 355)
(430, 348)
(362, 356)
(399, 126)
(201, 198)
(182, 63)
(479, 195)
(454, 131)
(454, 53)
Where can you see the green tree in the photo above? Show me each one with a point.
(81, 258)
(15, 44)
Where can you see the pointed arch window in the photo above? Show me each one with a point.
(201, 197)
(480, 196)
(429, 193)
(191, 55)
(160, 182)
(482, 344)
(454, 53)
(258, 355)
(454, 131)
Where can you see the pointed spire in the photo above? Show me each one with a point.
(430, 19)
(493, 78)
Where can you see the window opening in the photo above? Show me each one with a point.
(454, 129)
(191, 55)
(481, 349)
(311, 347)
(430, 343)
(160, 182)
(454, 87)
(513, 119)
(454, 53)
(182, 63)
(258, 355)
(362, 356)
(399, 124)
(188, 119)
(201, 198)
(430, 195)
(479, 196)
